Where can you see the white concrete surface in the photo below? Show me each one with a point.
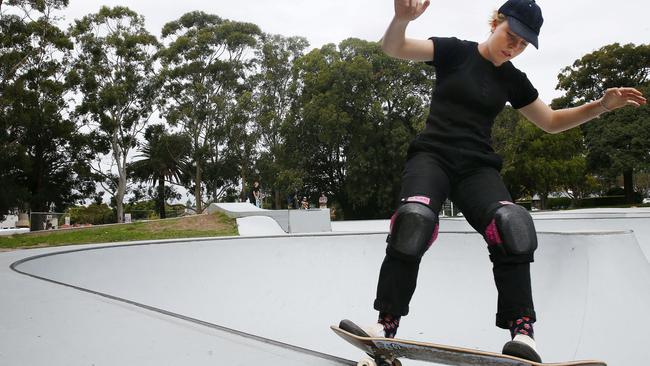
(46, 323)
(258, 225)
(290, 289)
(291, 221)
(187, 301)
(7, 232)
(635, 219)
(236, 207)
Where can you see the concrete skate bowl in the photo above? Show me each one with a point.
(592, 290)
(614, 219)
(637, 220)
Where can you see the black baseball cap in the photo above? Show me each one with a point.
(524, 18)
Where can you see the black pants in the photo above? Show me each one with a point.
(475, 192)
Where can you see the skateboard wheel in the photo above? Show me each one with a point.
(366, 362)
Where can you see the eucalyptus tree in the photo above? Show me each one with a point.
(618, 143)
(355, 113)
(116, 81)
(205, 66)
(536, 161)
(275, 91)
(42, 155)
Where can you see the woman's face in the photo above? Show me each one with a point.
(504, 44)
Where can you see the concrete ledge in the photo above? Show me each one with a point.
(7, 232)
(291, 221)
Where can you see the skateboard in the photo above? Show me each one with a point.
(387, 351)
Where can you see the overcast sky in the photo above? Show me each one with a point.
(571, 28)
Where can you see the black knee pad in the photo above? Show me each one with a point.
(511, 233)
(414, 227)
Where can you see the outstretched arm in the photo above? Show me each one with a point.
(396, 44)
(554, 121)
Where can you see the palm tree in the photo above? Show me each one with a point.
(164, 156)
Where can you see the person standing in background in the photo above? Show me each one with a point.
(257, 194)
(322, 200)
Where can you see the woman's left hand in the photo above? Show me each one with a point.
(615, 98)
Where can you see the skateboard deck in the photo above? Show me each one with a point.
(449, 355)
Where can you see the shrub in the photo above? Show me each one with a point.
(94, 214)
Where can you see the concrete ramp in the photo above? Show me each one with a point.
(258, 225)
(234, 207)
(592, 289)
(291, 221)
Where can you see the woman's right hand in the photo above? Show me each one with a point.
(408, 10)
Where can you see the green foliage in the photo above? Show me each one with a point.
(535, 161)
(164, 157)
(114, 72)
(217, 224)
(606, 201)
(610, 66)
(274, 93)
(95, 214)
(42, 156)
(39, 5)
(617, 142)
(356, 111)
(253, 106)
(620, 141)
(205, 90)
(150, 210)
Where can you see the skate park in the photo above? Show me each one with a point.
(268, 296)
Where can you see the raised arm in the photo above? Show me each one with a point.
(554, 121)
(396, 44)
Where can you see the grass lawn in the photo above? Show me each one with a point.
(217, 224)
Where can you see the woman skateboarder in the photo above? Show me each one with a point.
(452, 157)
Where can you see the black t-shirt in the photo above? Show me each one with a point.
(253, 191)
(470, 92)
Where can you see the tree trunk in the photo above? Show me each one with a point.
(543, 198)
(242, 195)
(120, 159)
(119, 198)
(197, 189)
(628, 183)
(161, 197)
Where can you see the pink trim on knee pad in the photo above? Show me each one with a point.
(434, 236)
(419, 199)
(492, 234)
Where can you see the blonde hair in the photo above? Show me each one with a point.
(497, 18)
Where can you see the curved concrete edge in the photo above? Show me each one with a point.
(65, 249)
(254, 337)
(598, 269)
(625, 219)
(225, 338)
